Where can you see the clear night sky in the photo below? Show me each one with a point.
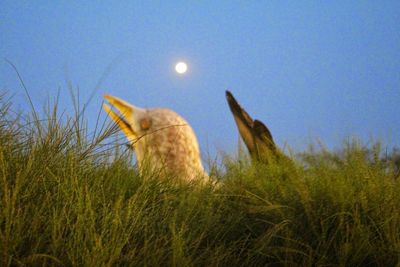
(309, 71)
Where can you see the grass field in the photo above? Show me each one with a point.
(66, 199)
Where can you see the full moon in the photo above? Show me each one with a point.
(181, 67)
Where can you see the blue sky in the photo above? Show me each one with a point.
(309, 71)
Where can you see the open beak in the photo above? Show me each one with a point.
(125, 110)
(254, 133)
(243, 121)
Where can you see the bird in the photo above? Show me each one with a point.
(163, 141)
(255, 134)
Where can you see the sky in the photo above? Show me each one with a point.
(310, 71)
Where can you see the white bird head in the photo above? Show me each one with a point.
(162, 140)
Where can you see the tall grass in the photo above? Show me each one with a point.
(67, 199)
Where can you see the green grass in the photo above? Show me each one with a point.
(66, 199)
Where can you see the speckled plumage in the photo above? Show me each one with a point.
(163, 140)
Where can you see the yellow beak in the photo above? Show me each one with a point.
(125, 111)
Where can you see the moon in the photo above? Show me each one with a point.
(181, 67)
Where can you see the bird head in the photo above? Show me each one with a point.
(132, 120)
(160, 137)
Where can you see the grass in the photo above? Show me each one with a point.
(69, 199)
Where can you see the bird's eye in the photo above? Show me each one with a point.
(145, 124)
